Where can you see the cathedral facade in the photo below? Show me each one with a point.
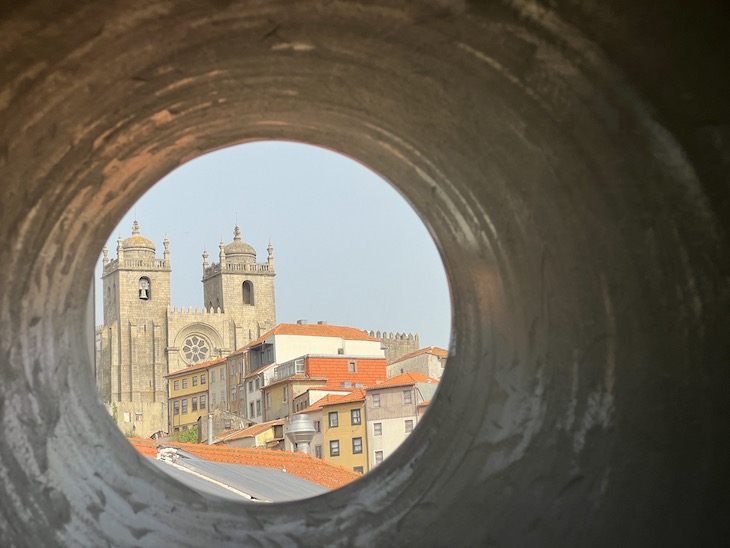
(142, 338)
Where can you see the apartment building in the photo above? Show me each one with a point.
(188, 394)
(393, 408)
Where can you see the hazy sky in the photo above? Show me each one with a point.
(347, 248)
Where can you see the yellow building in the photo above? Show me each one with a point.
(345, 433)
(188, 394)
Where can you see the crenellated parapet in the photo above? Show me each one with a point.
(194, 311)
(396, 345)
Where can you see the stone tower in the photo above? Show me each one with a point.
(133, 337)
(241, 288)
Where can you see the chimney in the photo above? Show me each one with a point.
(321, 322)
(303, 322)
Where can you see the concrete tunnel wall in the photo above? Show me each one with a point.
(570, 160)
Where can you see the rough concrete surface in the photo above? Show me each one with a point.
(570, 160)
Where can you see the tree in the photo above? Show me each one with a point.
(188, 436)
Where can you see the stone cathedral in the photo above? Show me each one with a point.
(142, 338)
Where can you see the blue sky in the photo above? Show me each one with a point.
(348, 248)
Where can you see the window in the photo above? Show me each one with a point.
(195, 380)
(268, 400)
(378, 428)
(144, 289)
(378, 457)
(184, 406)
(202, 401)
(334, 448)
(251, 414)
(333, 419)
(223, 373)
(317, 426)
(409, 426)
(258, 383)
(407, 396)
(358, 469)
(318, 451)
(195, 403)
(202, 379)
(176, 384)
(285, 397)
(250, 386)
(352, 367)
(376, 400)
(258, 408)
(355, 416)
(233, 368)
(185, 383)
(356, 446)
(223, 396)
(138, 416)
(176, 407)
(212, 399)
(212, 378)
(247, 292)
(241, 393)
(227, 424)
(233, 394)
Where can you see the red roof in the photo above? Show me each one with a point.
(313, 330)
(409, 377)
(434, 350)
(354, 396)
(251, 431)
(329, 398)
(199, 367)
(304, 466)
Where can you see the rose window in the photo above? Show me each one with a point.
(195, 349)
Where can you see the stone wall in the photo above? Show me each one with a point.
(396, 345)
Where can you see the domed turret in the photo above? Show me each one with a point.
(138, 247)
(239, 251)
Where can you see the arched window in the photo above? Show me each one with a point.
(247, 292)
(145, 290)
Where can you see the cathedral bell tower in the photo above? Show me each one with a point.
(136, 288)
(241, 288)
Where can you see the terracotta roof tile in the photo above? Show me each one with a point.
(304, 466)
(251, 431)
(313, 330)
(354, 396)
(409, 377)
(435, 350)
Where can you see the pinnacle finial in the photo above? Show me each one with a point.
(236, 234)
(135, 228)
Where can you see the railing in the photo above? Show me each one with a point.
(215, 268)
(155, 264)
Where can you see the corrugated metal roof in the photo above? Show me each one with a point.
(232, 481)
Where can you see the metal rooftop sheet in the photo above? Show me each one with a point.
(230, 480)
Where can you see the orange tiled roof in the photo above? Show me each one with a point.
(307, 467)
(409, 377)
(320, 402)
(200, 366)
(424, 403)
(251, 431)
(435, 350)
(356, 395)
(313, 330)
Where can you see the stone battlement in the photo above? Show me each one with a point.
(197, 310)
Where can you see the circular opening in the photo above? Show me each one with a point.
(342, 246)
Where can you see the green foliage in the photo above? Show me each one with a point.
(188, 436)
(114, 412)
